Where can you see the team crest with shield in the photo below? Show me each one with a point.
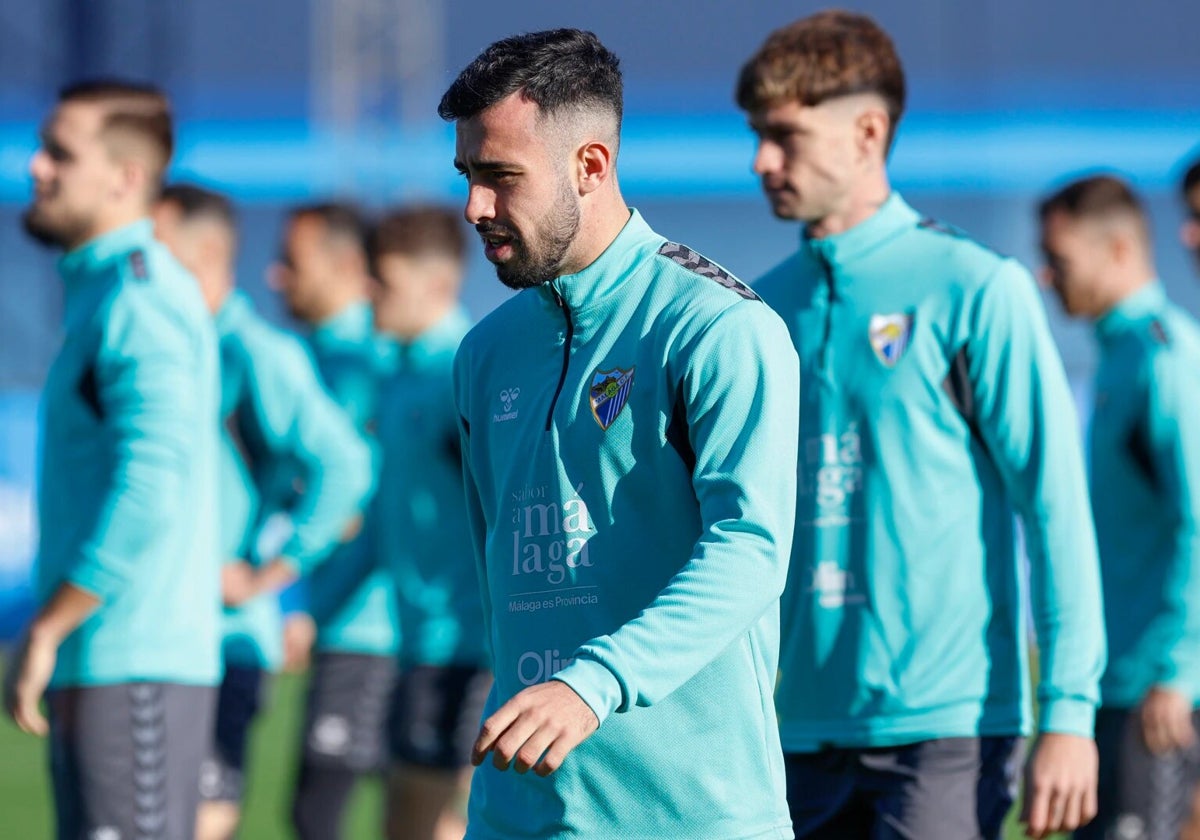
(889, 336)
(609, 393)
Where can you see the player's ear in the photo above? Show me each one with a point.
(1189, 234)
(594, 164)
(871, 132)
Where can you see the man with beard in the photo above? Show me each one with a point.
(1145, 441)
(323, 277)
(934, 407)
(276, 419)
(621, 422)
(126, 636)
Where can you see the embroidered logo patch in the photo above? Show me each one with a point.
(609, 393)
(507, 397)
(889, 336)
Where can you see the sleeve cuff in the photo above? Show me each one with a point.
(595, 685)
(1068, 717)
(96, 581)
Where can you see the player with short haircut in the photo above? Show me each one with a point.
(418, 255)
(277, 421)
(126, 637)
(1190, 188)
(324, 279)
(621, 423)
(1145, 481)
(934, 405)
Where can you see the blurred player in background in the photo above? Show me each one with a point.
(933, 405)
(422, 527)
(277, 419)
(324, 279)
(1190, 232)
(1145, 481)
(127, 632)
(624, 419)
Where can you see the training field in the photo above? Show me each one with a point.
(25, 795)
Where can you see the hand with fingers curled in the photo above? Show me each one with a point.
(1060, 784)
(1166, 717)
(536, 729)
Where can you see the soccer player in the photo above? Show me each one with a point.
(933, 406)
(324, 279)
(624, 418)
(1145, 480)
(277, 418)
(1190, 232)
(126, 634)
(418, 255)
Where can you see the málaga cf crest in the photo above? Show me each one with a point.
(609, 393)
(889, 336)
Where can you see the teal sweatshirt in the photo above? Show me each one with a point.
(1145, 481)
(363, 620)
(421, 519)
(127, 498)
(623, 431)
(934, 406)
(278, 420)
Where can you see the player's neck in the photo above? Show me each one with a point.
(336, 305)
(862, 203)
(597, 230)
(108, 220)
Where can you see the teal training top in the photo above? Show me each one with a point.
(934, 406)
(624, 431)
(1145, 479)
(127, 501)
(421, 520)
(278, 418)
(363, 619)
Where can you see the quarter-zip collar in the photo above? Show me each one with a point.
(595, 284)
(82, 263)
(1130, 311)
(83, 270)
(892, 218)
(433, 343)
(350, 326)
(234, 310)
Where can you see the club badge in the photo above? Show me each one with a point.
(889, 336)
(609, 393)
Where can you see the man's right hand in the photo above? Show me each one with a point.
(299, 634)
(1166, 717)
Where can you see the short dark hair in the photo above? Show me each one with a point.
(343, 221)
(1191, 178)
(196, 202)
(1097, 197)
(827, 55)
(419, 230)
(556, 69)
(141, 110)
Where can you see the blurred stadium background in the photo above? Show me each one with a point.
(280, 101)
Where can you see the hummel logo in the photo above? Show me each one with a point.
(507, 397)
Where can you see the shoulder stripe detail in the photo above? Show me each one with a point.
(137, 262)
(705, 267)
(1159, 332)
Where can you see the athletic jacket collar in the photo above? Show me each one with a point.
(1134, 309)
(85, 261)
(609, 271)
(236, 308)
(353, 325)
(841, 249)
(443, 336)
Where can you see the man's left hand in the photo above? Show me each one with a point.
(1060, 784)
(536, 728)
